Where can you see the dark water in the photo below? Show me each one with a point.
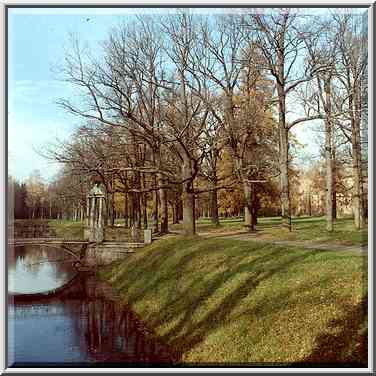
(83, 325)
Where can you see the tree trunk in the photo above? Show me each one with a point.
(357, 167)
(334, 205)
(126, 209)
(189, 225)
(109, 212)
(130, 209)
(164, 205)
(136, 217)
(174, 207)
(144, 202)
(329, 180)
(108, 205)
(248, 213)
(154, 214)
(283, 135)
(188, 211)
(255, 206)
(284, 171)
(176, 216)
(357, 191)
(145, 212)
(112, 210)
(213, 202)
(136, 205)
(180, 208)
(309, 203)
(328, 158)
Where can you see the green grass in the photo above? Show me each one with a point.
(67, 229)
(226, 301)
(304, 228)
(268, 228)
(203, 224)
(314, 228)
(60, 228)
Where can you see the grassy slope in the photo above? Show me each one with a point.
(304, 228)
(217, 300)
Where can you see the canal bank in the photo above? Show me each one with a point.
(218, 301)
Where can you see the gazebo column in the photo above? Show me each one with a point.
(87, 211)
(92, 213)
(94, 229)
(100, 212)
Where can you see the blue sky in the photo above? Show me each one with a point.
(36, 45)
(37, 41)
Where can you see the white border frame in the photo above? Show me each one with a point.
(3, 159)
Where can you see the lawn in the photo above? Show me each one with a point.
(49, 228)
(304, 228)
(268, 229)
(67, 229)
(235, 302)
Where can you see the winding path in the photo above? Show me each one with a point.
(306, 244)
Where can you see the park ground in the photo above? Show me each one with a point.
(306, 230)
(225, 298)
(271, 297)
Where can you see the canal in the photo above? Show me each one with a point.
(60, 317)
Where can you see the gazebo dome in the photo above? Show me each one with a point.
(97, 190)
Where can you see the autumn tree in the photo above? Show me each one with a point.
(221, 62)
(279, 41)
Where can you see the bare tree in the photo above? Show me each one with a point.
(280, 43)
(351, 68)
(322, 51)
(185, 113)
(220, 62)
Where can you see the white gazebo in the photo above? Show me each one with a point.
(95, 209)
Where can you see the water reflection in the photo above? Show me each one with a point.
(34, 269)
(113, 334)
(83, 325)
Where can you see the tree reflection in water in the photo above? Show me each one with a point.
(112, 332)
(92, 327)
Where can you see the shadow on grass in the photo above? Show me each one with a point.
(163, 271)
(186, 333)
(348, 345)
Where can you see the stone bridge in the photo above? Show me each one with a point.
(87, 253)
(94, 249)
